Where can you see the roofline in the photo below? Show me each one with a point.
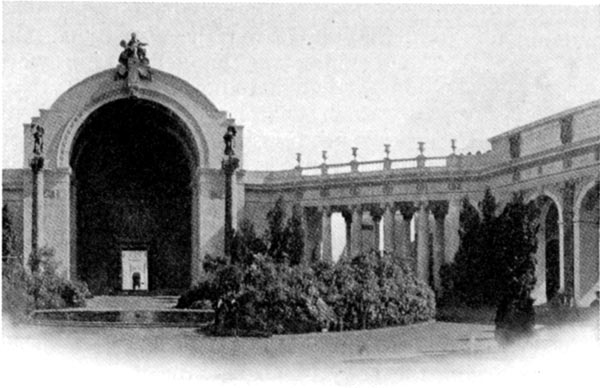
(547, 119)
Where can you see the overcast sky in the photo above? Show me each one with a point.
(310, 77)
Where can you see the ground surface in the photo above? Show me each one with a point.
(417, 353)
(123, 303)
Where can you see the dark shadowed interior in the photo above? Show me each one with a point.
(133, 170)
(552, 252)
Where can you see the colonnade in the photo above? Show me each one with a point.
(396, 219)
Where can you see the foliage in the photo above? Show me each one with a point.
(51, 290)
(17, 303)
(267, 287)
(472, 278)
(8, 237)
(43, 288)
(269, 297)
(277, 233)
(517, 244)
(246, 243)
(495, 264)
(295, 236)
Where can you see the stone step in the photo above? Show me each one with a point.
(137, 318)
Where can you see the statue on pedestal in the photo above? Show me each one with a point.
(133, 62)
(38, 140)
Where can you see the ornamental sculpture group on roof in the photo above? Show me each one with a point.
(133, 63)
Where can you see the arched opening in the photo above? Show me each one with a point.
(588, 261)
(548, 252)
(133, 168)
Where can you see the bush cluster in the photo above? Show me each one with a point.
(51, 290)
(267, 297)
(41, 287)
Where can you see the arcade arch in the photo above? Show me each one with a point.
(587, 242)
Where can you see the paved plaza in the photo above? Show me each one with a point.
(422, 351)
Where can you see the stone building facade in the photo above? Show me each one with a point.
(132, 164)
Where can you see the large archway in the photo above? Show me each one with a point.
(133, 165)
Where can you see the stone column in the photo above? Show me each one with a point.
(423, 243)
(388, 228)
(37, 206)
(568, 192)
(452, 227)
(376, 214)
(347, 214)
(73, 228)
(305, 239)
(439, 210)
(196, 261)
(229, 164)
(356, 231)
(326, 233)
(407, 209)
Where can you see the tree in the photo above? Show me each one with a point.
(463, 278)
(516, 243)
(472, 278)
(277, 233)
(246, 244)
(488, 249)
(295, 234)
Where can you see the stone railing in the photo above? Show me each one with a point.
(421, 162)
(379, 165)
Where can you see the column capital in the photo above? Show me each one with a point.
(376, 212)
(356, 208)
(407, 209)
(326, 210)
(37, 164)
(346, 213)
(438, 208)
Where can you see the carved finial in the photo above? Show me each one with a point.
(453, 145)
(298, 158)
(386, 149)
(354, 152)
(421, 147)
(324, 155)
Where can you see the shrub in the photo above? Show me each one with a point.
(17, 302)
(24, 291)
(374, 290)
(267, 297)
(49, 289)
